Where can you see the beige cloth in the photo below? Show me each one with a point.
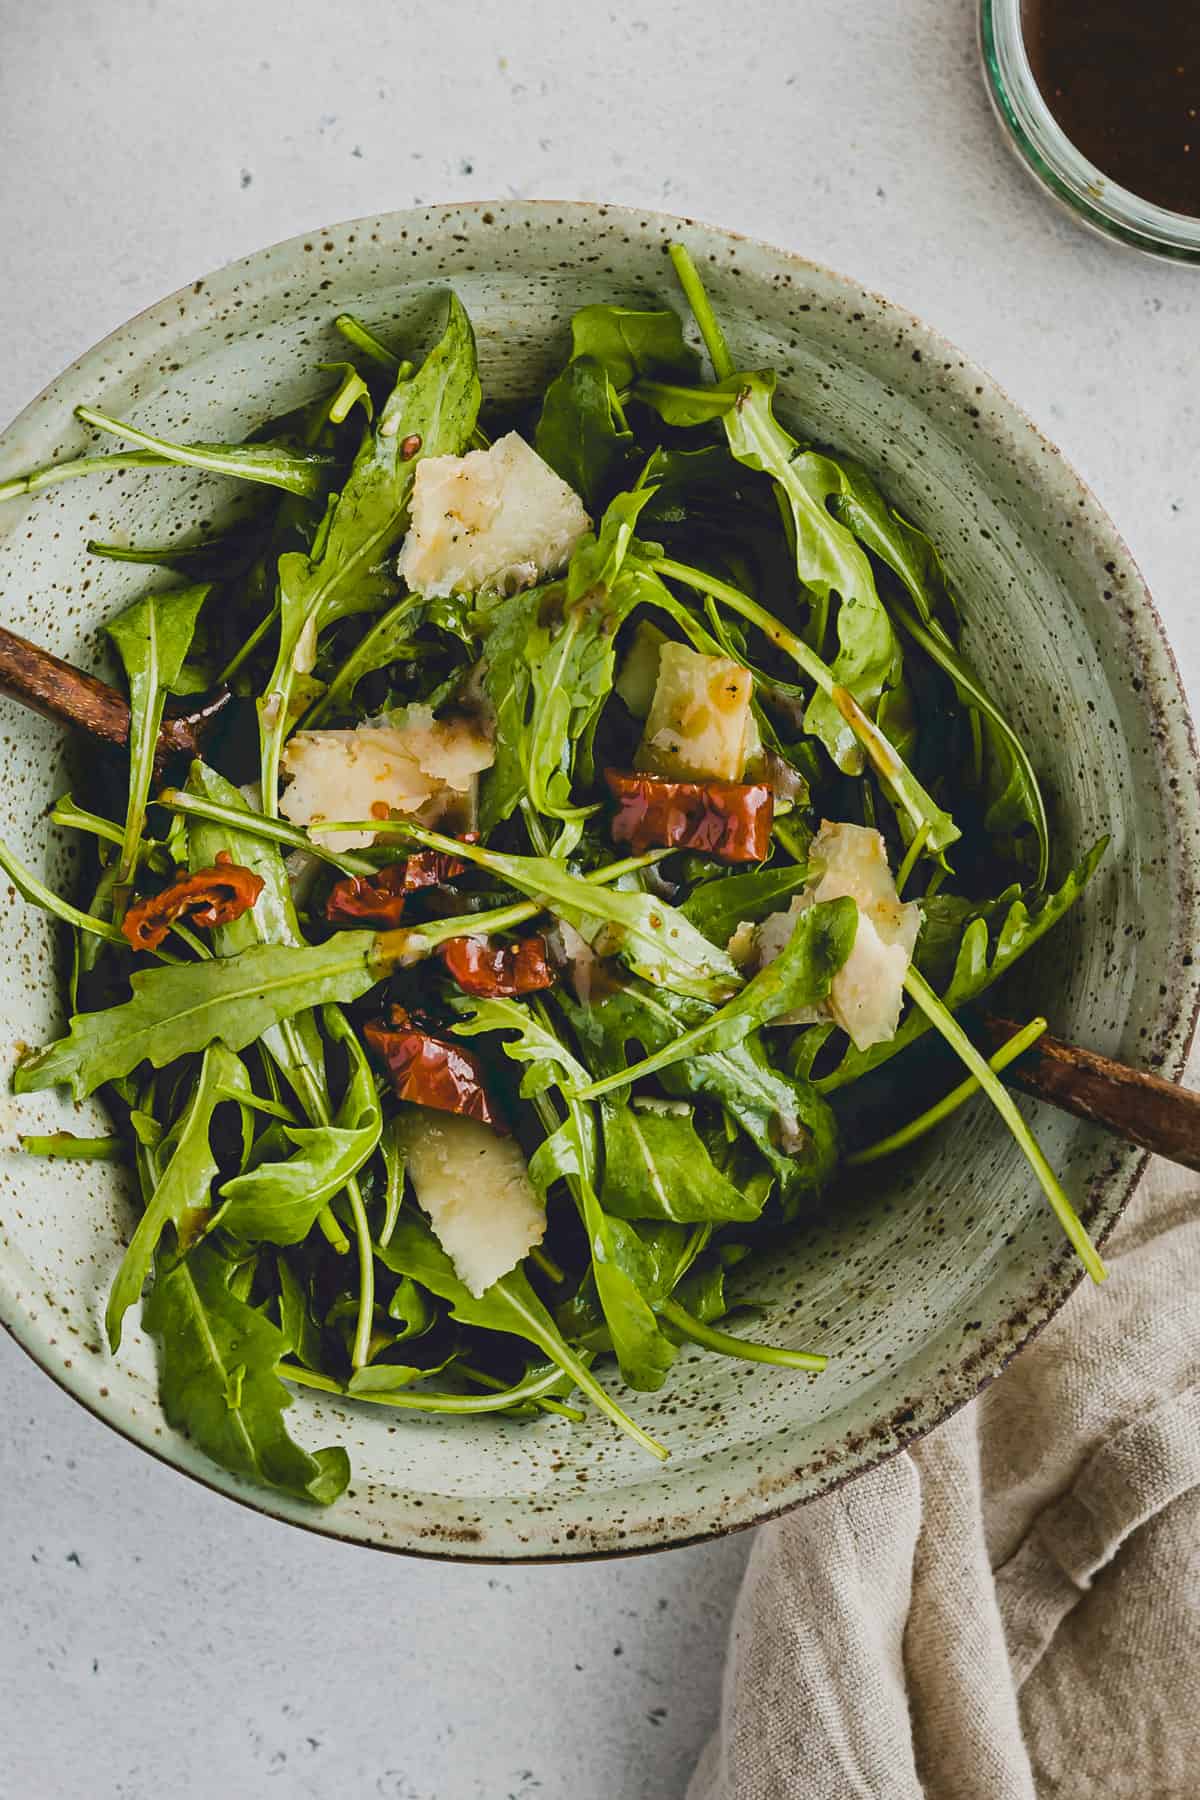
(1011, 1609)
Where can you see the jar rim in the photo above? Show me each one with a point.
(1056, 163)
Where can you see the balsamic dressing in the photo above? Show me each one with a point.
(1122, 78)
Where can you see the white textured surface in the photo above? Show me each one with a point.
(154, 1639)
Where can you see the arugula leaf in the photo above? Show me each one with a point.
(152, 638)
(581, 431)
(799, 977)
(657, 1166)
(509, 1305)
(786, 1119)
(387, 641)
(1015, 806)
(345, 573)
(177, 1011)
(300, 472)
(622, 1267)
(684, 405)
(300, 1330)
(294, 1044)
(218, 1380)
(981, 960)
(655, 939)
(38, 894)
(279, 1201)
(934, 826)
(719, 906)
(183, 1194)
(629, 342)
(548, 667)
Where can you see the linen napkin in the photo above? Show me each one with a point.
(1011, 1609)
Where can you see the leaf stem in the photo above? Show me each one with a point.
(250, 645)
(944, 1022)
(270, 464)
(356, 333)
(66, 1146)
(745, 1348)
(52, 473)
(258, 825)
(911, 856)
(924, 1122)
(361, 1353)
(550, 1269)
(702, 312)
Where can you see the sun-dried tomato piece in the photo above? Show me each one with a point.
(481, 967)
(215, 896)
(379, 899)
(730, 820)
(430, 1072)
(369, 899)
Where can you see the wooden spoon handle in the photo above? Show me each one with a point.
(61, 692)
(64, 693)
(1144, 1109)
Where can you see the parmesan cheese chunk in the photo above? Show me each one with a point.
(475, 1187)
(421, 767)
(699, 725)
(497, 519)
(867, 992)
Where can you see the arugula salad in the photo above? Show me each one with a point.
(603, 798)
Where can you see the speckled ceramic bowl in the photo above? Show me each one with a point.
(927, 1276)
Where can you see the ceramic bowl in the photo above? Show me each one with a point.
(925, 1277)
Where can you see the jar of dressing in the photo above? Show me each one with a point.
(1100, 99)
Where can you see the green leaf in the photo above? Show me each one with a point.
(799, 977)
(1016, 811)
(301, 1332)
(630, 342)
(178, 1011)
(410, 1307)
(294, 1044)
(509, 1305)
(152, 638)
(387, 641)
(346, 571)
(983, 956)
(280, 1201)
(786, 1119)
(719, 906)
(218, 1381)
(657, 1166)
(300, 472)
(936, 827)
(828, 562)
(581, 433)
(183, 1194)
(654, 939)
(548, 667)
(38, 894)
(622, 1265)
(685, 405)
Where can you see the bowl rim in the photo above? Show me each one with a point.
(1062, 1276)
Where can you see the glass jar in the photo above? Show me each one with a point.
(1052, 159)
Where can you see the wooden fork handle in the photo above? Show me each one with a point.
(1144, 1109)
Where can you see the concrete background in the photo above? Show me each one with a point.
(156, 1641)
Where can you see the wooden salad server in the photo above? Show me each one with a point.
(1143, 1109)
(59, 691)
